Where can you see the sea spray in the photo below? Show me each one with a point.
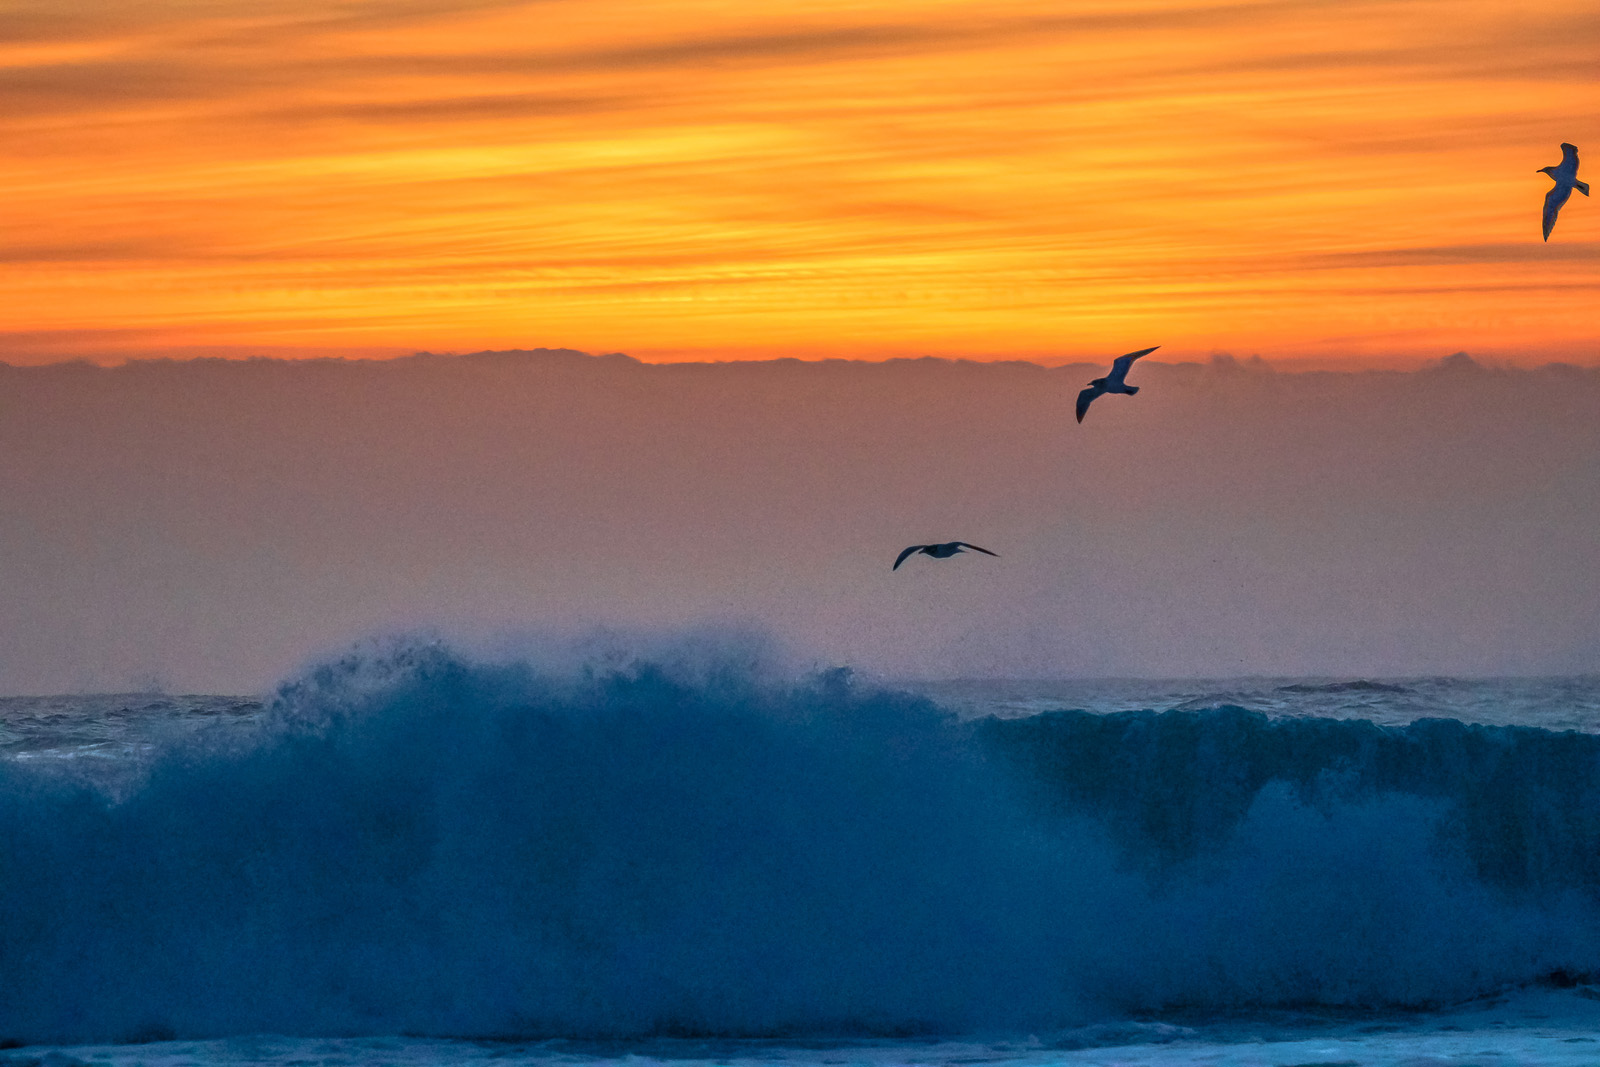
(419, 842)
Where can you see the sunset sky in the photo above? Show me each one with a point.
(1338, 182)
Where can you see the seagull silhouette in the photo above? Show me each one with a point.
(1113, 382)
(944, 551)
(1566, 178)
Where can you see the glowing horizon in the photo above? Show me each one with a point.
(1303, 181)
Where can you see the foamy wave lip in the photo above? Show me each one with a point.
(694, 843)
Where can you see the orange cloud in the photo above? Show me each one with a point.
(705, 178)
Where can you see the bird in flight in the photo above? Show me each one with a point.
(1566, 178)
(1113, 382)
(944, 551)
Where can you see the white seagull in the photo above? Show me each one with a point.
(944, 551)
(1113, 382)
(1566, 178)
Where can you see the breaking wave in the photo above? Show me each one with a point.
(420, 843)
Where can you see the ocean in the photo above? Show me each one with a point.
(407, 854)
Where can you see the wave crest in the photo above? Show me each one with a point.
(423, 843)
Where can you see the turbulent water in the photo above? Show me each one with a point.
(692, 857)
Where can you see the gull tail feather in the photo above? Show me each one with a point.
(1582, 187)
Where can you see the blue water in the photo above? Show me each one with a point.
(413, 842)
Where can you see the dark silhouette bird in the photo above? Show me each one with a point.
(944, 551)
(1566, 178)
(1113, 382)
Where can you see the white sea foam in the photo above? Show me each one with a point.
(1549, 1029)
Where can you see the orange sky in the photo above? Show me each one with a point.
(1318, 179)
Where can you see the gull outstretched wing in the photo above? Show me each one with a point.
(901, 558)
(1086, 398)
(1569, 154)
(1552, 206)
(975, 548)
(1122, 364)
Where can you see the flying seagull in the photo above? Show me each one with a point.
(1566, 178)
(944, 551)
(1113, 382)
